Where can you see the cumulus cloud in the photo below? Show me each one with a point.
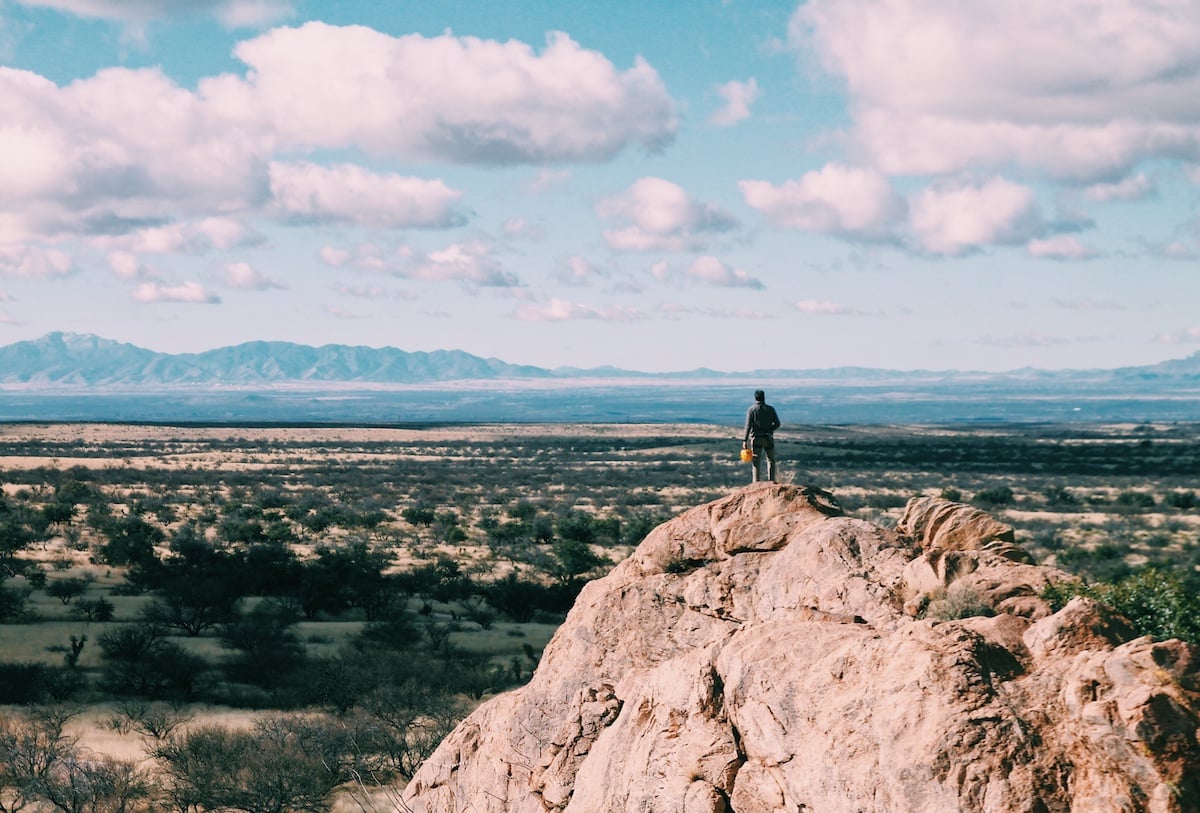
(244, 277)
(1060, 247)
(187, 292)
(934, 87)
(957, 217)
(738, 98)
(837, 199)
(457, 99)
(86, 159)
(126, 265)
(561, 310)
(712, 271)
(471, 262)
(35, 261)
(347, 193)
(231, 13)
(657, 215)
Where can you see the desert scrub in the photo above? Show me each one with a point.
(957, 601)
(1156, 601)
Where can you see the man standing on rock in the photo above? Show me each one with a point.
(761, 423)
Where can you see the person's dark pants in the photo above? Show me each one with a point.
(764, 448)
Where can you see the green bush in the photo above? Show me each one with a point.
(1135, 499)
(1000, 495)
(1183, 500)
(1156, 601)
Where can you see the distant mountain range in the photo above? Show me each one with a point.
(73, 377)
(72, 361)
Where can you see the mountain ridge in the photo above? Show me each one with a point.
(71, 360)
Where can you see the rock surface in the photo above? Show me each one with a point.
(764, 653)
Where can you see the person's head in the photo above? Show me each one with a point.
(760, 396)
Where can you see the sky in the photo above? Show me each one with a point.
(652, 185)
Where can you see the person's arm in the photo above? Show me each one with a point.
(774, 419)
(749, 421)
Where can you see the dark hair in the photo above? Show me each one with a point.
(759, 395)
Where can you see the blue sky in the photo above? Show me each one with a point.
(652, 185)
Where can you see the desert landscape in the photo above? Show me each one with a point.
(187, 609)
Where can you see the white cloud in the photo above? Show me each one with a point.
(822, 308)
(196, 237)
(188, 292)
(656, 214)
(456, 99)
(836, 199)
(738, 97)
(471, 262)
(561, 310)
(1135, 187)
(348, 193)
(335, 257)
(87, 159)
(1081, 89)
(954, 218)
(231, 13)
(34, 261)
(1060, 247)
(244, 277)
(253, 13)
(126, 265)
(712, 271)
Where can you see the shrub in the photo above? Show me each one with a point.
(1135, 499)
(959, 601)
(1156, 601)
(285, 763)
(999, 495)
(1183, 500)
(28, 683)
(14, 604)
(97, 609)
(140, 661)
(1060, 495)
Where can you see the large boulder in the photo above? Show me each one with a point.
(765, 653)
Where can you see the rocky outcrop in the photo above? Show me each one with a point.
(764, 653)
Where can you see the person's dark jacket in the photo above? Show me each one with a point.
(761, 421)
